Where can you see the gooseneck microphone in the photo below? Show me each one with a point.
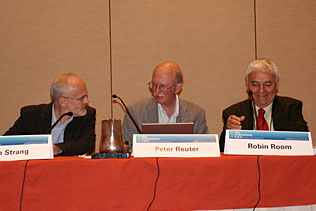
(258, 156)
(254, 108)
(51, 127)
(129, 114)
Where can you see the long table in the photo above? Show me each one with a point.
(226, 182)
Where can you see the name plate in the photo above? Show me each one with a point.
(258, 142)
(26, 147)
(175, 145)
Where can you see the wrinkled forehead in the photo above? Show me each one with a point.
(77, 88)
(262, 76)
(164, 75)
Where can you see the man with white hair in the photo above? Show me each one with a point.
(75, 133)
(274, 112)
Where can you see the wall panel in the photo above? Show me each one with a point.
(286, 33)
(41, 39)
(211, 40)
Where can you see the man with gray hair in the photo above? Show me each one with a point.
(274, 112)
(75, 133)
(165, 106)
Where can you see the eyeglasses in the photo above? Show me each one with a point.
(161, 87)
(78, 99)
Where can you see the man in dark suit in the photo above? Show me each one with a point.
(73, 135)
(280, 113)
(165, 106)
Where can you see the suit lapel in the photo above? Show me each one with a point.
(277, 116)
(184, 115)
(152, 111)
(248, 124)
(45, 118)
(72, 128)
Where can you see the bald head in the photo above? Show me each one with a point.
(166, 84)
(64, 84)
(170, 70)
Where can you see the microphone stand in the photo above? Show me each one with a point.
(258, 163)
(103, 155)
(254, 108)
(129, 114)
(49, 129)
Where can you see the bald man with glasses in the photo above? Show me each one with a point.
(165, 105)
(74, 134)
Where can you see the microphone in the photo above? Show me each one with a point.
(129, 114)
(254, 108)
(51, 127)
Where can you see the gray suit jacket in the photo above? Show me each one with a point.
(146, 111)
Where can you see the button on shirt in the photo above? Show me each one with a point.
(267, 116)
(163, 116)
(59, 130)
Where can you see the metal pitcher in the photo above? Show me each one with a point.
(111, 136)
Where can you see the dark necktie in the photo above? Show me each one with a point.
(262, 123)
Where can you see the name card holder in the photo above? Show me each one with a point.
(26, 147)
(175, 145)
(258, 142)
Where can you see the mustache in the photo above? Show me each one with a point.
(159, 95)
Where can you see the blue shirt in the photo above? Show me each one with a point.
(59, 130)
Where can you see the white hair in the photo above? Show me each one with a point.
(265, 65)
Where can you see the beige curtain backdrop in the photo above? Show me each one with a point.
(212, 40)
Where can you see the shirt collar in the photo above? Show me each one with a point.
(163, 117)
(267, 115)
(54, 117)
(267, 109)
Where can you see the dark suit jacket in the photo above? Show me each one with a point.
(286, 114)
(79, 136)
(146, 111)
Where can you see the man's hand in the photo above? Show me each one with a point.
(56, 150)
(234, 122)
